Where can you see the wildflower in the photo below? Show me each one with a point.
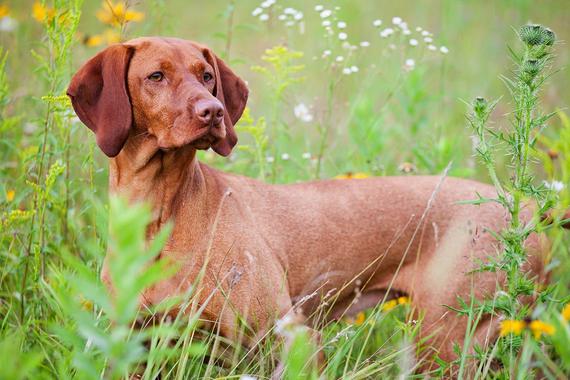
(409, 64)
(531, 34)
(4, 11)
(7, 24)
(270, 159)
(247, 377)
(396, 20)
(364, 44)
(256, 12)
(354, 69)
(341, 24)
(285, 156)
(346, 71)
(351, 175)
(360, 318)
(403, 300)
(10, 194)
(263, 17)
(306, 156)
(85, 303)
(406, 32)
(539, 327)
(554, 185)
(116, 14)
(342, 36)
(425, 33)
(267, 3)
(407, 167)
(387, 306)
(339, 58)
(377, 23)
(289, 11)
(282, 17)
(419, 29)
(512, 326)
(42, 13)
(548, 37)
(432, 47)
(302, 113)
(95, 40)
(326, 53)
(444, 50)
(413, 42)
(326, 13)
(428, 39)
(386, 32)
(319, 8)
(566, 312)
(326, 23)
(298, 16)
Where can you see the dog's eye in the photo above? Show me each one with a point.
(207, 77)
(157, 76)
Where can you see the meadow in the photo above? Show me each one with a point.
(345, 89)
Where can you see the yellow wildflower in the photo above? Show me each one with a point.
(360, 318)
(42, 13)
(111, 36)
(4, 10)
(403, 300)
(95, 40)
(539, 327)
(351, 175)
(85, 303)
(389, 305)
(10, 194)
(117, 14)
(512, 326)
(566, 312)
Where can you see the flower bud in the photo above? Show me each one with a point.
(531, 67)
(480, 106)
(548, 36)
(531, 34)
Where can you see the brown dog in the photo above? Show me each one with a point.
(152, 102)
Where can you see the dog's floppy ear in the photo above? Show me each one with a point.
(232, 91)
(99, 95)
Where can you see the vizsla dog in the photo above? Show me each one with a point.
(276, 250)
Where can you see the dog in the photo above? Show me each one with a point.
(271, 251)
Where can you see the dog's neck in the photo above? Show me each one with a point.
(144, 173)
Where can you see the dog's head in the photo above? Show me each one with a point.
(177, 91)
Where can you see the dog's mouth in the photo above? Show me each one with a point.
(205, 142)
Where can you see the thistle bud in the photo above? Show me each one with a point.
(480, 106)
(548, 36)
(531, 67)
(531, 34)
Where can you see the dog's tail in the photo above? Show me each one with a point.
(563, 222)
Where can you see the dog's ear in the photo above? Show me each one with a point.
(100, 98)
(232, 91)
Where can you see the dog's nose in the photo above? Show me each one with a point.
(209, 111)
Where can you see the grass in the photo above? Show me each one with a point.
(373, 112)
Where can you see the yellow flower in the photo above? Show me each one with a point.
(111, 36)
(403, 300)
(512, 326)
(117, 14)
(566, 312)
(85, 303)
(42, 13)
(4, 10)
(389, 305)
(95, 40)
(351, 175)
(360, 318)
(539, 327)
(10, 194)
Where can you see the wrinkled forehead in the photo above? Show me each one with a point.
(167, 53)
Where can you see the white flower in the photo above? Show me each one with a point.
(247, 377)
(341, 24)
(290, 23)
(342, 36)
(339, 58)
(326, 13)
(267, 3)
(419, 29)
(396, 20)
(326, 23)
(409, 64)
(306, 156)
(414, 42)
(428, 39)
(403, 25)
(444, 50)
(289, 11)
(298, 16)
(346, 71)
(264, 17)
(285, 156)
(270, 159)
(302, 113)
(377, 23)
(256, 12)
(425, 33)
(8, 24)
(432, 47)
(354, 69)
(406, 32)
(282, 17)
(326, 53)
(554, 185)
(386, 32)
(319, 8)
(364, 43)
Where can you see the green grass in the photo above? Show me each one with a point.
(56, 318)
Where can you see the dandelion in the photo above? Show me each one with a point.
(341, 24)
(364, 44)
(306, 156)
(396, 20)
(566, 312)
(42, 13)
(326, 13)
(351, 175)
(116, 14)
(339, 58)
(319, 8)
(409, 64)
(264, 17)
(256, 12)
(432, 47)
(302, 113)
(554, 185)
(377, 23)
(10, 194)
(444, 50)
(342, 36)
(512, 326)
(413, 42)
(539, 327)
